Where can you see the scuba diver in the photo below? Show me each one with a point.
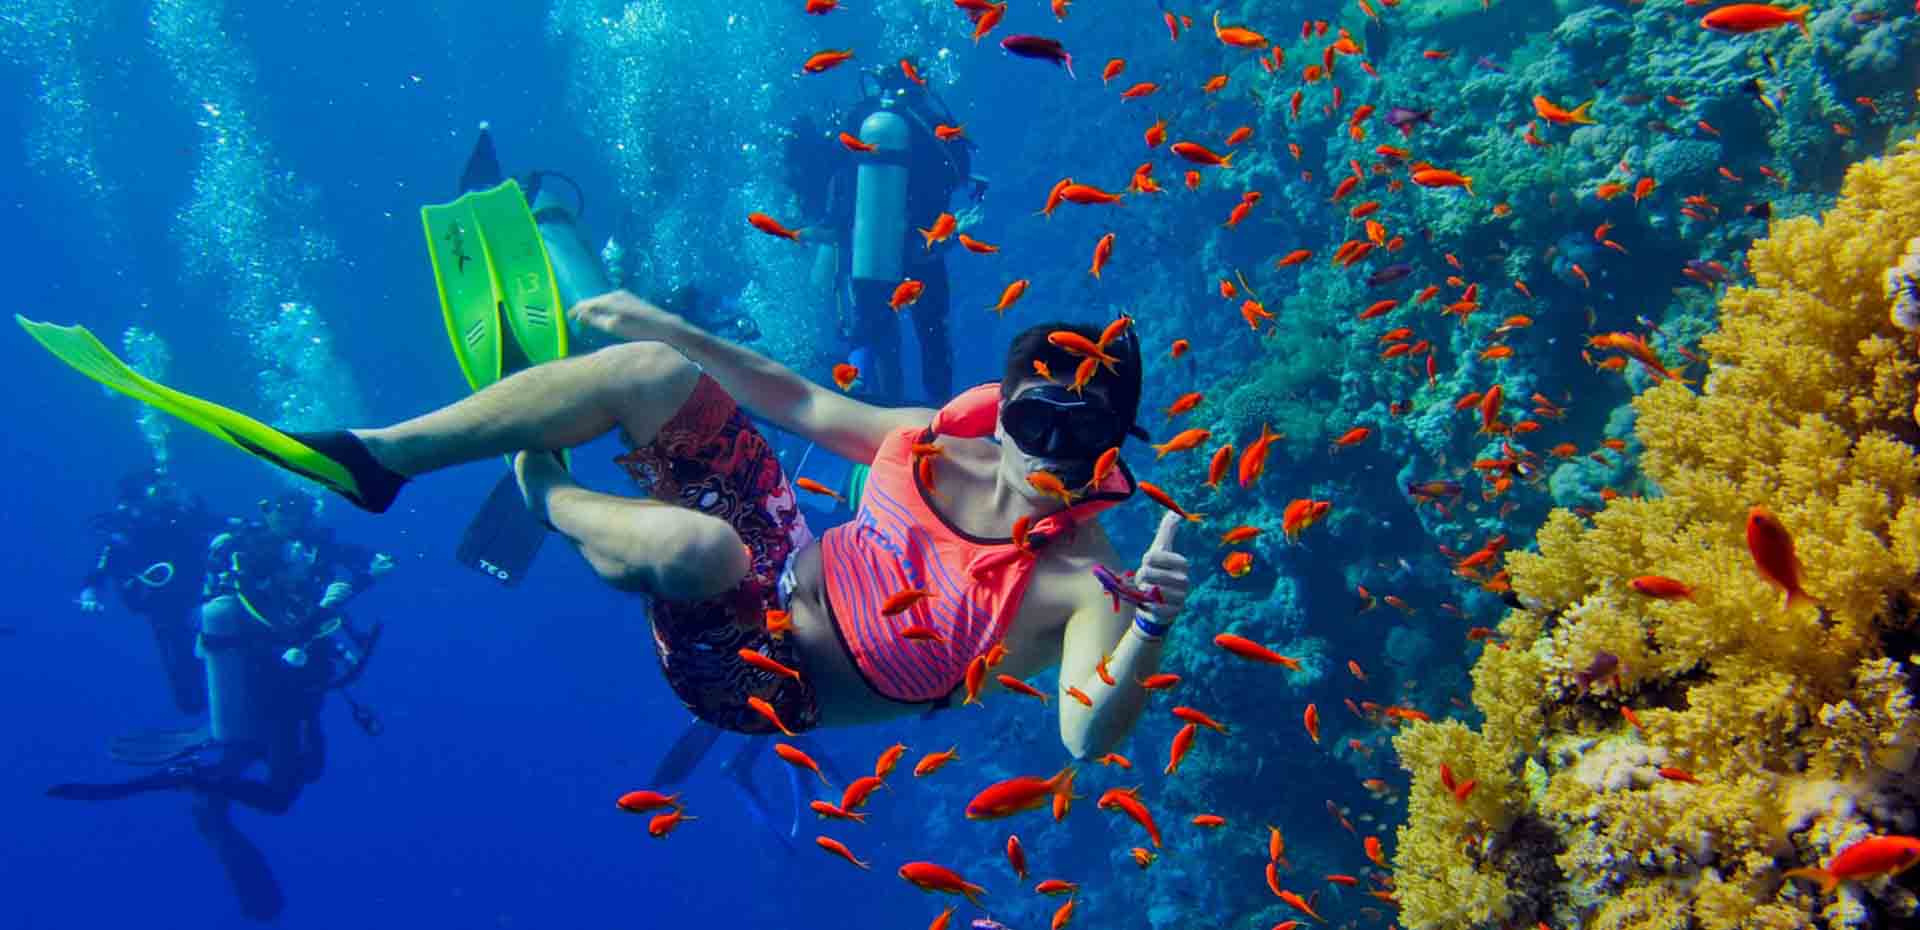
(153, 556)
(273, 642)
(869, 206)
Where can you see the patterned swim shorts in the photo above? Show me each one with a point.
(709, 457)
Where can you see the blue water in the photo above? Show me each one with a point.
(187, 167)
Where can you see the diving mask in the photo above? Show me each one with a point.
(1051, 422)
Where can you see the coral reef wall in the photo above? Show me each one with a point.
(1736, 737)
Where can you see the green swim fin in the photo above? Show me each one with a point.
(335, 460)
(497, 290)
(502, 307)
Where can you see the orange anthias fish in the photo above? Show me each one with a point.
(1772, 549)
(838, 848)
(1127, 800)
(902, 601)
(1555, 114)
(764, 709)
(771, 226)
(1102, 251)
(640, 802)
(1236, 36)
(1011, 295)
(1236, 565)
(1352, 437)
(1742, 18)
(1868, 858)
(932, 762)
(1182, 742)
(1253, 462)
(976, 246)
(883, 766)
(1019, 795)
(664, 824)
(929, 877)
(906, 293)
(825, 60)
(1217, 469)
(1248, 649)
(814, 487)
(1158, 496)
(942, 228)
(766, 664)
(1201, 155)
(1440, 177)
(1661, 587)
(800, 760)
(1085, 194)
(1082, 346)
(844, 376)
(1311, 717)
(1184, 441)
(1239, 534)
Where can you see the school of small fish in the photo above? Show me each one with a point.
(1370, 251)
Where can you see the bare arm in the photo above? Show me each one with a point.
(848, 427)
(1095, 631)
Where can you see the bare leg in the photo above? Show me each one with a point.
(635, 545)
(647, 546)
(636, 386)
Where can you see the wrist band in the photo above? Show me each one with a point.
(1146, 626)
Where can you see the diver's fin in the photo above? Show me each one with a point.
(496, 285)
(159, 747)
(687, 750)
(526, 289)
(504, 536)
(164, 780)
(502, 308)
(336, 460)
(483, 165)
(465, 282)
(253, 881)
(758, 807)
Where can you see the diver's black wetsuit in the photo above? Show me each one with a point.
(275, 593)
(153, 554)
(935, 170)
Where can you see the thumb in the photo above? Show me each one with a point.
(1163, 536)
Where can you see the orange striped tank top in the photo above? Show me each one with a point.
(897, 541)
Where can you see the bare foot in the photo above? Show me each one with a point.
(540, 474)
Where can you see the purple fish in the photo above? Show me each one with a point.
(1605, 665)
(1388, 275)
(1123, 589)
(1405, 119)
(1039, 47)
(1487, 63)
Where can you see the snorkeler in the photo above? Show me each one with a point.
(977, 522)
(152, 557)
(868, 207)
(274, 642)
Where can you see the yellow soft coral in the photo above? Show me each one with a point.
(1808, 410)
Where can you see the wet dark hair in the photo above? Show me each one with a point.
(1122, 387)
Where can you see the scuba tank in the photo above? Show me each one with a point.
(233, 672)
(880, 199)
(576, 267)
